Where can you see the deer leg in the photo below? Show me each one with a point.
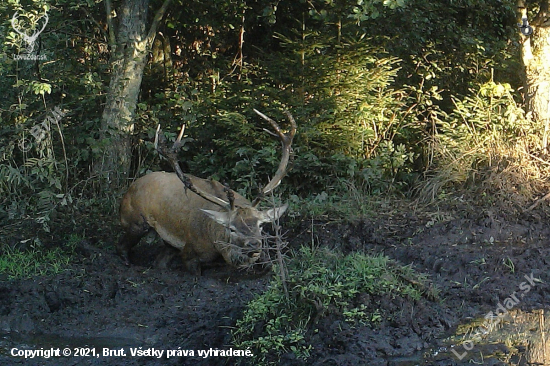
(165, 256)
(126, 242)
(130, 238)
(191, 261)
(193, 266)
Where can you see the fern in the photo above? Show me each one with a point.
(11, 180)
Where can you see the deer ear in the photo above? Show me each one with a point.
(274, 213)
(221, 218)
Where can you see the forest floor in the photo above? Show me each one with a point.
(477, 258)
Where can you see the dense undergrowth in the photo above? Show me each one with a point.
(407, 108)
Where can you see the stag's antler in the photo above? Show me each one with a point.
(171, 154)
(29, 39)
(286, 142)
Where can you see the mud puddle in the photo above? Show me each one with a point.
(515, 338)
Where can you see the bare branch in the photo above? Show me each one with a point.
(155, 24)
(110, 25)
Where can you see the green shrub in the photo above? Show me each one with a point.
(320, 282)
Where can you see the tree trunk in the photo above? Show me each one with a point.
(536, 59)
(129, 50)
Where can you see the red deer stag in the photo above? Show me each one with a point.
(201, 218)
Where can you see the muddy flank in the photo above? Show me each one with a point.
(480, 261)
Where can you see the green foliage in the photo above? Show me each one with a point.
(453, 45)
(320, 283)
(15, 264)
(367, 10)
(485, 141)
(345, 202)
(32, 177)
(491, 114)
(47, 109)
(351, 123)
(369, 83)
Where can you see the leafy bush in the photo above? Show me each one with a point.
(31, 177)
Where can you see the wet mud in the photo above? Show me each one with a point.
(477, 259)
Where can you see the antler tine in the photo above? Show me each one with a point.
(171, 156)
(271, 122)
(286, 142)
(157, 138)
(286, 138)
(178, 144)
(181, 133)
(292, 121)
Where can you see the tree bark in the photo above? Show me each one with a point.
(129, 50)
(536, 59)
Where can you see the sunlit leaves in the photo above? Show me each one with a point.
(41, 88)
(366, 10)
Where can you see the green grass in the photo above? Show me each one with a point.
(16, 264)
(320, 282)
(345, 203)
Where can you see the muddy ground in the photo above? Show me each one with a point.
(476, 258)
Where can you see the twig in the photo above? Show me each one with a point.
(535, 157)
(538, 202)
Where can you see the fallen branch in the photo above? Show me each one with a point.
(538, 202)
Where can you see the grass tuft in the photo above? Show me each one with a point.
(15, 264)
(321, 282)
